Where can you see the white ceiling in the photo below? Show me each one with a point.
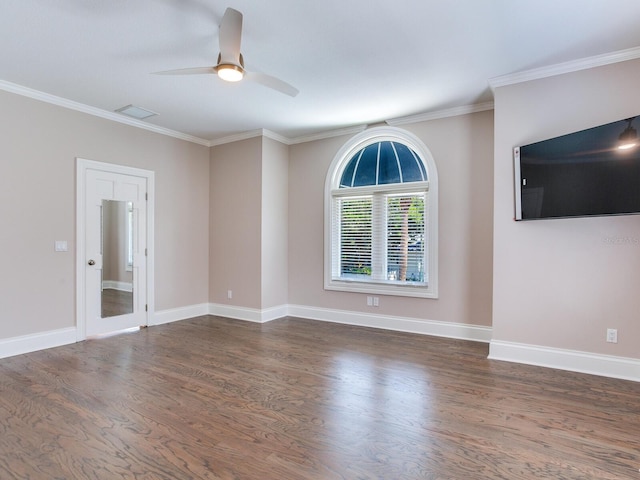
(355, 62)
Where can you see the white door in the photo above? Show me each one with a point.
(115, 251)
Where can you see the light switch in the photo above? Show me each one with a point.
(61, 246)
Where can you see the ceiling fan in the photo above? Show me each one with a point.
(230, 66)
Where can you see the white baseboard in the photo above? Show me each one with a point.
(425, 327)
(248, 314)
(37, 341)
(175, 314)
(571, 360)
(115, 285)
(402, 324)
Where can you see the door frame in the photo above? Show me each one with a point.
(82, 165)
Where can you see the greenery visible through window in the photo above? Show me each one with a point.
(380, 215)
(405, 233)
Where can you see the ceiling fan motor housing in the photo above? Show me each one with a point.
(230, 71)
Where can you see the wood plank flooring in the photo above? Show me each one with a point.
(116, 302)
(213, 398)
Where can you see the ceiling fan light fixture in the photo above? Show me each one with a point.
(230, 73)
(230, 64)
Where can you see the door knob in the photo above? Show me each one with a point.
(91, 262)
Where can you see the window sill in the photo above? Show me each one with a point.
(416, 289)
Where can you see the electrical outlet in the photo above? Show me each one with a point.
(376, 302)
(612, 335)
(369, 301)
(229, 294)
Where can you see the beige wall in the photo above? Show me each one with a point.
(275, 222)
(38, 146)
(236, 223)
(249, 220)
(462, 149)
(560, 283)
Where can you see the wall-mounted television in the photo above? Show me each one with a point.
(586, 173)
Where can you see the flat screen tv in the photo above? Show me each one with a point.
(586, 173)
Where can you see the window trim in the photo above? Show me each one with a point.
(339, 163)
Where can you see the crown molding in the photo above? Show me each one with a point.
(286, 140)
(235, 138)
(566, 67)
(394, 122)
(449, 112)
(119, 118)
(504, 80)
(96, 112)
(261, 132)
(275, 136)
(328, 134)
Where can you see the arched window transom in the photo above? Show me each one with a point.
(382, 163)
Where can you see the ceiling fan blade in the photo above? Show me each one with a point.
(272, 82)
(189, 71)
(230, 36)
(230, 33)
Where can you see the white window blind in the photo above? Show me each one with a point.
(379, 238)
(405, 238)
(354, 222)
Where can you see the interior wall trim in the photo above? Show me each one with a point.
(566, 67)
(37, 341)
(250, 134)
(411, 325)
(97, 112)
(248, 314)
(176, 314)
(238, 313)
(571, 360)
(460, 331)
(325, 134)
(439, 114)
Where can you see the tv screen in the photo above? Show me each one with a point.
(590, 172)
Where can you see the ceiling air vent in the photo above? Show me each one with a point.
(136, 112)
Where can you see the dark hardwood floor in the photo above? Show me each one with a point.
(296, 399)
(116, 302)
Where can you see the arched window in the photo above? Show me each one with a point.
(381, 216)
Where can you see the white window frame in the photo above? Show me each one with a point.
(332, 190)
